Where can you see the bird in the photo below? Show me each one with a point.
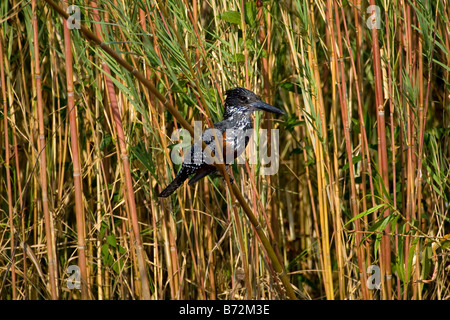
(240, 103)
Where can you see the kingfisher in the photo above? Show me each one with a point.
(231, 136)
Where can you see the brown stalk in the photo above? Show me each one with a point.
(402, 148)
(366, 164)
(244, 39)
(340, 251)
(382, 150)
(364, 141)
(409, 142)
(322, 157)
(353, 195)
(16, 153)
(43, 161)
(77, 175)
(8, 173)
(392, 109)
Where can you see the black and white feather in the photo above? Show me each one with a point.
(234, 132)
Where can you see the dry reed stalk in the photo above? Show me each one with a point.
(244, 41)
(21, 214)
(321, 179)
(340, 252)
(323, 160)
(364, 141)
(265, 40)
(77, 175)
(382, 151)
(52, 264)
(346, 124)
(12, 239)
(410, 210)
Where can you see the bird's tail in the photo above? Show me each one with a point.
(178, 181)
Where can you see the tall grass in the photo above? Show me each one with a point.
(359, 208)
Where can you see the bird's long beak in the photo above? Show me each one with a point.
(259, 105)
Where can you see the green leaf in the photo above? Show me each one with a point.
(250, 13)
(239, 57)
(355, 159)
(111, 239)
(382, 224)
(106, 141)
(377, 245)
(293, 121)
(103, 227)
(231, 17)
(105, 250)
(411, 253)
(118, 266)
(144, 157)
(368, 211)
(309, 162)
(290, 86)
(122, 250)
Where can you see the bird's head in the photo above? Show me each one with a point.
(245, 100)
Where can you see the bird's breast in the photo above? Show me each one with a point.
(235, 142)
(231, 136)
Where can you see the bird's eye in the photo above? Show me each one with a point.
(243, 98)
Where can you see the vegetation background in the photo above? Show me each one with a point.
(359, 208)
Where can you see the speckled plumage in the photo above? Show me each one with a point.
(233, 132)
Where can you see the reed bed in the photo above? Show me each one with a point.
(91, 93)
